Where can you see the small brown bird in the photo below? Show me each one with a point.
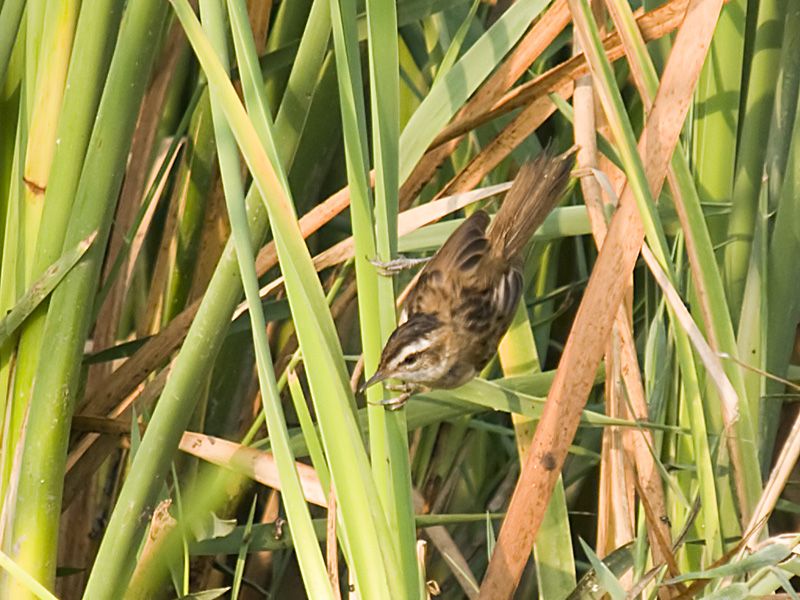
(466, 295)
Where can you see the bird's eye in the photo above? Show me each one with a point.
(409, 360)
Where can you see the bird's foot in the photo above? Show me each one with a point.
(406, 391)
(395, 266)
(395, 403)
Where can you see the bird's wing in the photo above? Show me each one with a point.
(455, 263)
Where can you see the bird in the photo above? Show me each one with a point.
(466, 295)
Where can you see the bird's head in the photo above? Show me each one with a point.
(413, 353)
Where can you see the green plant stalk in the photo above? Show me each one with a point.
(555, 563)
(716, 113)
(10, 102)
(10, 18)
(312, 565)
(523, 395)
(708, 278)
(710, 516)
(10, 289)
(12, 282)
(719, 328)
(753, 337)
(315, 451)
(317, 455)
(385, 110)
(354, 128)
(787, 89)
(388, 445)
(42, 469)
(783, 305)
(242, 556)
(9, 110)
(34, 25)
(384, 105)
(751, 149)
(288, 24)
(294, 108)
(257, 104)
(605, 83)
(783, 134)
(712, 481)
(544, 281)
(499, 396)
(369, 537)
(24, 578)
(91, 54)
(656, 363)
(658, 384)
(50, 77)
(412, 79)
(684, 411)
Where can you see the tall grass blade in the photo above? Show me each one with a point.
(316, 334)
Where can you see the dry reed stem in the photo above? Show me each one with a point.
(615, 522)
(162, 524)
(259, 12)
(491, 155)
(596, 314)
(331, 547)
(255, 464)
(653, 25)
(538, 38)
(639, 442)
(632, 39)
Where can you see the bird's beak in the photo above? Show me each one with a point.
(378, 376)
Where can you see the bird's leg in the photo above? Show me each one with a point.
(394, 266)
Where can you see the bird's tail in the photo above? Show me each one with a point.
(536, 190)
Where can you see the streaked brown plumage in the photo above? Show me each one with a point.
(466, 295)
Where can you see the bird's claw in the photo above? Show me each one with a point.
(406, 391)
(395, 266)
(395, 403)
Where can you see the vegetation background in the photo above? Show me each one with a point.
(191, 193)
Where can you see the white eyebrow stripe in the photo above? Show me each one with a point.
(417, 345)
